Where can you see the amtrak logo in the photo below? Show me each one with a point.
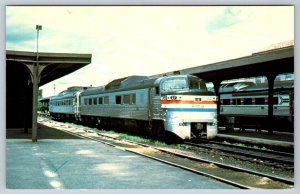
(283, 100)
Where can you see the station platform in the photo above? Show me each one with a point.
(72, 163)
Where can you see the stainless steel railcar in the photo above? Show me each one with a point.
(64, 105)
(180, 105)
(248, 106)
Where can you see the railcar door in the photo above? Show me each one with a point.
(154, 104)
(76, 105)
(156, 126)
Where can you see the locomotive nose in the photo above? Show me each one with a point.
(190, 116)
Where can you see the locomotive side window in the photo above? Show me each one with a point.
(90, 101)
(195, 83)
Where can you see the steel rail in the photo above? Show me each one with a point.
(250, 153)
(248, 148)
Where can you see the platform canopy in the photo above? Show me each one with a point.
(274, 61)
(55, 65)
(20, 67)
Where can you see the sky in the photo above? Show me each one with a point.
(144, 40)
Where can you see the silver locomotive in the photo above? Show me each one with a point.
(179, 105)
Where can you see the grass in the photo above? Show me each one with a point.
(133, 138)
(137, 138)
(182, 146)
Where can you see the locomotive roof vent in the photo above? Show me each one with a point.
(125, 81)
(133, 80)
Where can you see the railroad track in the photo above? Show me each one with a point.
(238, 177)
(273, 158)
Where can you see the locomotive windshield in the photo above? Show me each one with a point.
(174, 84)
(196, 83)
(180, 84)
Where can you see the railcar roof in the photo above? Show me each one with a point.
(277, 84)
(63, 94)
(93, 90)
(128, 83)
(70, 92)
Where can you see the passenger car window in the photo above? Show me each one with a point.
(100, 100)
(105, 100)
(118, 99)
(127, 99)
(133, 98)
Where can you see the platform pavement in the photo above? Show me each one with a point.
(85, 164)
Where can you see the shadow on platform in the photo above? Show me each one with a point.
(43, 132)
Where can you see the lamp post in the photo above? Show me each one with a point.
(35, 88)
